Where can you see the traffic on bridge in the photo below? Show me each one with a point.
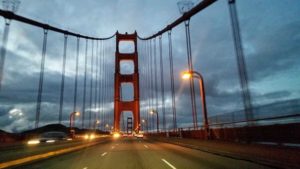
(186, 84)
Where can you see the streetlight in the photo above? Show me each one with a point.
(96, 124)
(157, 120)
(72, 118)
(194, 74)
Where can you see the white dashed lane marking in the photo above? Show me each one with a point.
(146, 146)
(169, 164)
(103, 154)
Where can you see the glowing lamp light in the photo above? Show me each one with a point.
(116, 135)
(186, 75)
(33, 142)
(77, 113)
(151, 112)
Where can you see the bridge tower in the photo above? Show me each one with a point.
(120, 105)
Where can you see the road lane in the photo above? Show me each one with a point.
(131, 153)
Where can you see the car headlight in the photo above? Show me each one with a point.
(32, 142)
(50, 141)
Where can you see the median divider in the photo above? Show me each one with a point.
(33, 158)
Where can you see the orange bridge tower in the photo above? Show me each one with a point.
(120, 105)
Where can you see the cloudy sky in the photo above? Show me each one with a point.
(270, 32)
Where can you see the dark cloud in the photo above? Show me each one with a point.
(270, 41)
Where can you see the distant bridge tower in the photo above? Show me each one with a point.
(120, 105)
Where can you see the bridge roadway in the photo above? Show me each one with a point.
(132, 153)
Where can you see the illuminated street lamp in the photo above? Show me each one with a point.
(97, 122)
(194, 74)
(107, 127)
(145, 124)
(72, 118)
(157, 120)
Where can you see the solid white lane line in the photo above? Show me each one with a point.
(85, 168)
(103, 154)
(146, 146)
(169, 164)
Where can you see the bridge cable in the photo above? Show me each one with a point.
(3, 49)
(102, 81)
(105, 80)
(156, 85)
(84, 83)
(96, 82)
(242, 67)
(91, 86)
(190, 65)
(172, 80)
(76, 75)
(62, 85)
(162, 85)
(147, 54)
(41, 80)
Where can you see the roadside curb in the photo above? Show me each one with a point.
(265, 162)
(42, 156)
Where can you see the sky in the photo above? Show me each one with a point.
(270, 32)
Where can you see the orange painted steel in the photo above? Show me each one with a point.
(120, 105)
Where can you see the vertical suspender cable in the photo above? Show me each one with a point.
(102, 81)
(172, 80)
(96, 81)
(105, 81)
(41, 81)
(91, 86)
(3, 49)
(99, 83)
(62, 85)
(76, 75)
(190, 65)
(155, 75)
(148, 83)
(151, 73)
(242, 67)
(84, 83)
(162, 84)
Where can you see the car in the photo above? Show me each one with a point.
(49, 137)
(140, 135)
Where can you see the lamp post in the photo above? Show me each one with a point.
(72, 118)
(157, 120)
(194, 74)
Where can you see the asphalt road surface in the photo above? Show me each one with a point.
(132, 153)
